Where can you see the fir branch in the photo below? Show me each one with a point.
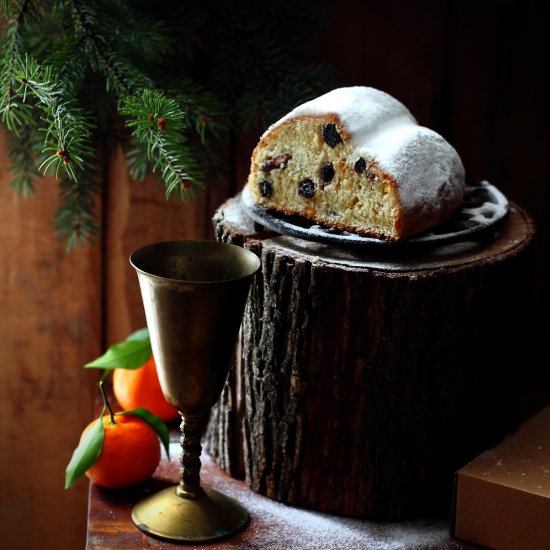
(137, 160)
(178, 167)
(159, 122)
(84, 18)
(13, 114)
(68, 131)
(203, 109)
(23, 149)
(125, 28)
(75, 221)
(14, 9)
(179, 73)
(41, 20)
(69, 59)
(120, 76)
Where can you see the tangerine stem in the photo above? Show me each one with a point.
(106, 402)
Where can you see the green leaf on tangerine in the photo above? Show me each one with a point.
(86, 454)
(156, 423)
(130, 354)
(141, 334)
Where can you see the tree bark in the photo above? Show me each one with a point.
(365, 380)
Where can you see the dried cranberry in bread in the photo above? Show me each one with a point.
(355, 158)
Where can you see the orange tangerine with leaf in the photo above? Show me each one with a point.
(140, 387)
(130, 452)
(118, 450)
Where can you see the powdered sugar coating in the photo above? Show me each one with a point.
(364, 111)
(426, 168)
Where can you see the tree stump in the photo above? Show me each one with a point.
(363, 380)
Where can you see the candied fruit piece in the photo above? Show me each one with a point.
(278, 161)
(306, 189)
(327, 172)
(330, 135)
(360, 165)
(266, 188)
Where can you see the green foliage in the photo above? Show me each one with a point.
(86, 454)
(170, 81)
(75, 221)
(131, 353)
(24, 150)
(89, 449)
(159, 122)
(140, 334)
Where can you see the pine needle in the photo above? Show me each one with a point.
(170, 81)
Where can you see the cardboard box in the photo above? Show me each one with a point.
(502, 497)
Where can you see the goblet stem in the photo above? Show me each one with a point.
(190, 457)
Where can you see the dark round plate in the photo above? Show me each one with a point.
(483, 207)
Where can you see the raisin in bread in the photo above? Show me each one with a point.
(355, 158)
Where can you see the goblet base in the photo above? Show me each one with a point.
(209, 517)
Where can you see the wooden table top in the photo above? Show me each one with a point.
(273, 526)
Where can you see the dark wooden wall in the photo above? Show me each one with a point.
(473, 70)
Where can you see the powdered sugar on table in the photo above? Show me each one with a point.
(284, 527)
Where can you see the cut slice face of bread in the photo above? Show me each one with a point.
(356, 159)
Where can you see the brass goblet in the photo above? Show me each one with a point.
(194, 293)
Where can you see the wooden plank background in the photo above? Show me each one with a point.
(49, 326)
(472, 70)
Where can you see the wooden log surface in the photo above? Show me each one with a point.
(366, 379)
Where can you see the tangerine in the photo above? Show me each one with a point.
(141, 388)
(130, 452)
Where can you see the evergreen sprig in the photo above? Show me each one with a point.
(160, 123)
(169, 81)
(67, 130)
(75, 221)
(123, 78)
(23, 152)
(13, 115)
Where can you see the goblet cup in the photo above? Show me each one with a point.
(194, 294)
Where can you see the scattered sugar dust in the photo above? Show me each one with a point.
(282, 527)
